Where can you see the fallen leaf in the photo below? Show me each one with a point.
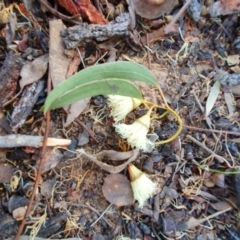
(223, 7)
(215, 89)
(33, 71)
(47, 187)
(76, 109)
(220, 206)
(85, 8)
(51, 158)
(218, 179)
(230, 101)
(9, 75)
(58, 61)
(111, 155)
(233, 60)
(19, 213)
(6, 172)
(152, 8)
(192, 222)
(117, 190)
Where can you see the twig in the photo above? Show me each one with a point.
(86, 128)
(18, 140)
(219, 158)
(29, 207)
(208, 121)
(58, 14)
(169, 27)
(101, 215)
(191, 80)
(91, 208)
(211, 130)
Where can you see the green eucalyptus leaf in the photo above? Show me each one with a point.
(108, 78)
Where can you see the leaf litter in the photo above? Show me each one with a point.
(197, 192)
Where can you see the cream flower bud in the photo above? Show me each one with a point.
(121, 106)
(143, 187)
(136, 133)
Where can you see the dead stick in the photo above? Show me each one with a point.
(169, 27)
(86, 128)
(58, 14)
(211, 130)
(29, 207)
(219, 158)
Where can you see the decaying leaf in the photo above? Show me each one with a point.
(9, 74)
(192, 222)
(33, 71)
(19, 213)
(26, 103)
(221, 205)
(117, 190)
(218, 179)
(223, 7)
(6, 172)
(85, 8)
(47, 188)
(152, 8)
(51, 158)
(111, 155)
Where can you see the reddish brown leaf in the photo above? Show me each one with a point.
(85, 8)
(117, 190)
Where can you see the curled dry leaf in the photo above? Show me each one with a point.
(85, 8)
(117, 190)
(113, 156)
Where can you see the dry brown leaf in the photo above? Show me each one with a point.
(117, 190)
(47, 187)
(6, 172)
(33, 71)
(152, 8)
(220, 206)
(218, 179)
(113, 156)
(19, 213)
(223, 7)
(192, 222)
(58, 61)
(51, 158)
(85, 8)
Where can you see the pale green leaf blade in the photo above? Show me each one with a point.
(115, 71)
(213, 94)
(98, 87)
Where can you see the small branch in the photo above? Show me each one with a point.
(60, 15)
(211, 130)
(219, 158)
(86, 128)
(39, 172)
(168, 29)
(17, 140)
